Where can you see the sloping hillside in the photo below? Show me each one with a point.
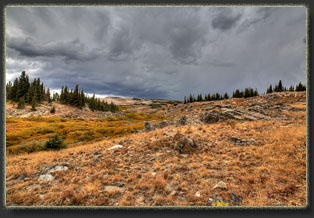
(247, 152)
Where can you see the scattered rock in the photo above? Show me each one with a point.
(46, 177)
(160, 125)
(220, 185)
(239, 141)
(115, 147)
(215, 198)
(21, 177)
(184, 155)
(209, 118)
(183, 120)
(197, 194)
(34, 186)
(235, 139)
(58, 168)
(110, 188)
(236, 199)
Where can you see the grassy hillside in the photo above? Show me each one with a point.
(236, 152)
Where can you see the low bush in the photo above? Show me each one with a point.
(55, 143)
(53, 110)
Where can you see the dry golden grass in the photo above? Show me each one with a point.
(29, 134)
(269, 171)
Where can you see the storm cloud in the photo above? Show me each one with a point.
(157, 52)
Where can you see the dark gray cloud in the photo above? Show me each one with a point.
(157, 52)
(225, 20)
(71, 50)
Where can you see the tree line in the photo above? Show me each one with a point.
(207, 97)
(246, 93)
(23, 91)
(280, 88)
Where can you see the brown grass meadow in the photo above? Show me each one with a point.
(265, 167)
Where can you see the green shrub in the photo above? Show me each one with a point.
(55, 143)
(53, 110)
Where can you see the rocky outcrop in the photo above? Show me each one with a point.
(184, 144)
(152, 126)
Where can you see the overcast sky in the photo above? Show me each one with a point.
(157, 52)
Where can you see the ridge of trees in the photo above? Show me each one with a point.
(23, 91)
(280, 88)
(207, 97)
(246, 93)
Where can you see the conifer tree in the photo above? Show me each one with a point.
(62, 95)
(201, 97)
(191, 98)
(226, 96)
(76, 97)
(8, 90)
(280, 88)
(48, 95)
(21, 104)
(34, 104)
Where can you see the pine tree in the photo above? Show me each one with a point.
(81, 99)
(13, 90)
(62, 95)
(237, 94)
(300, 87)
(48, 95)
(76, 97)
(291, 88)
(226, 96)
(280, 88)
(66, 95)
(201, 97)
(34, 104)
(270, 89)
(247, 93)
(8, 89)
(191, 98)
(21, 104)
(208, 97)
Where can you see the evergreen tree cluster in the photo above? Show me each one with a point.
(248, 92)
(207, 97)
(24, 91)
(96, 104)
(77, 98)
(74, 97)
(280, 88)
(300, 87)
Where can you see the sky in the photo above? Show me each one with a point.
(157, 52)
